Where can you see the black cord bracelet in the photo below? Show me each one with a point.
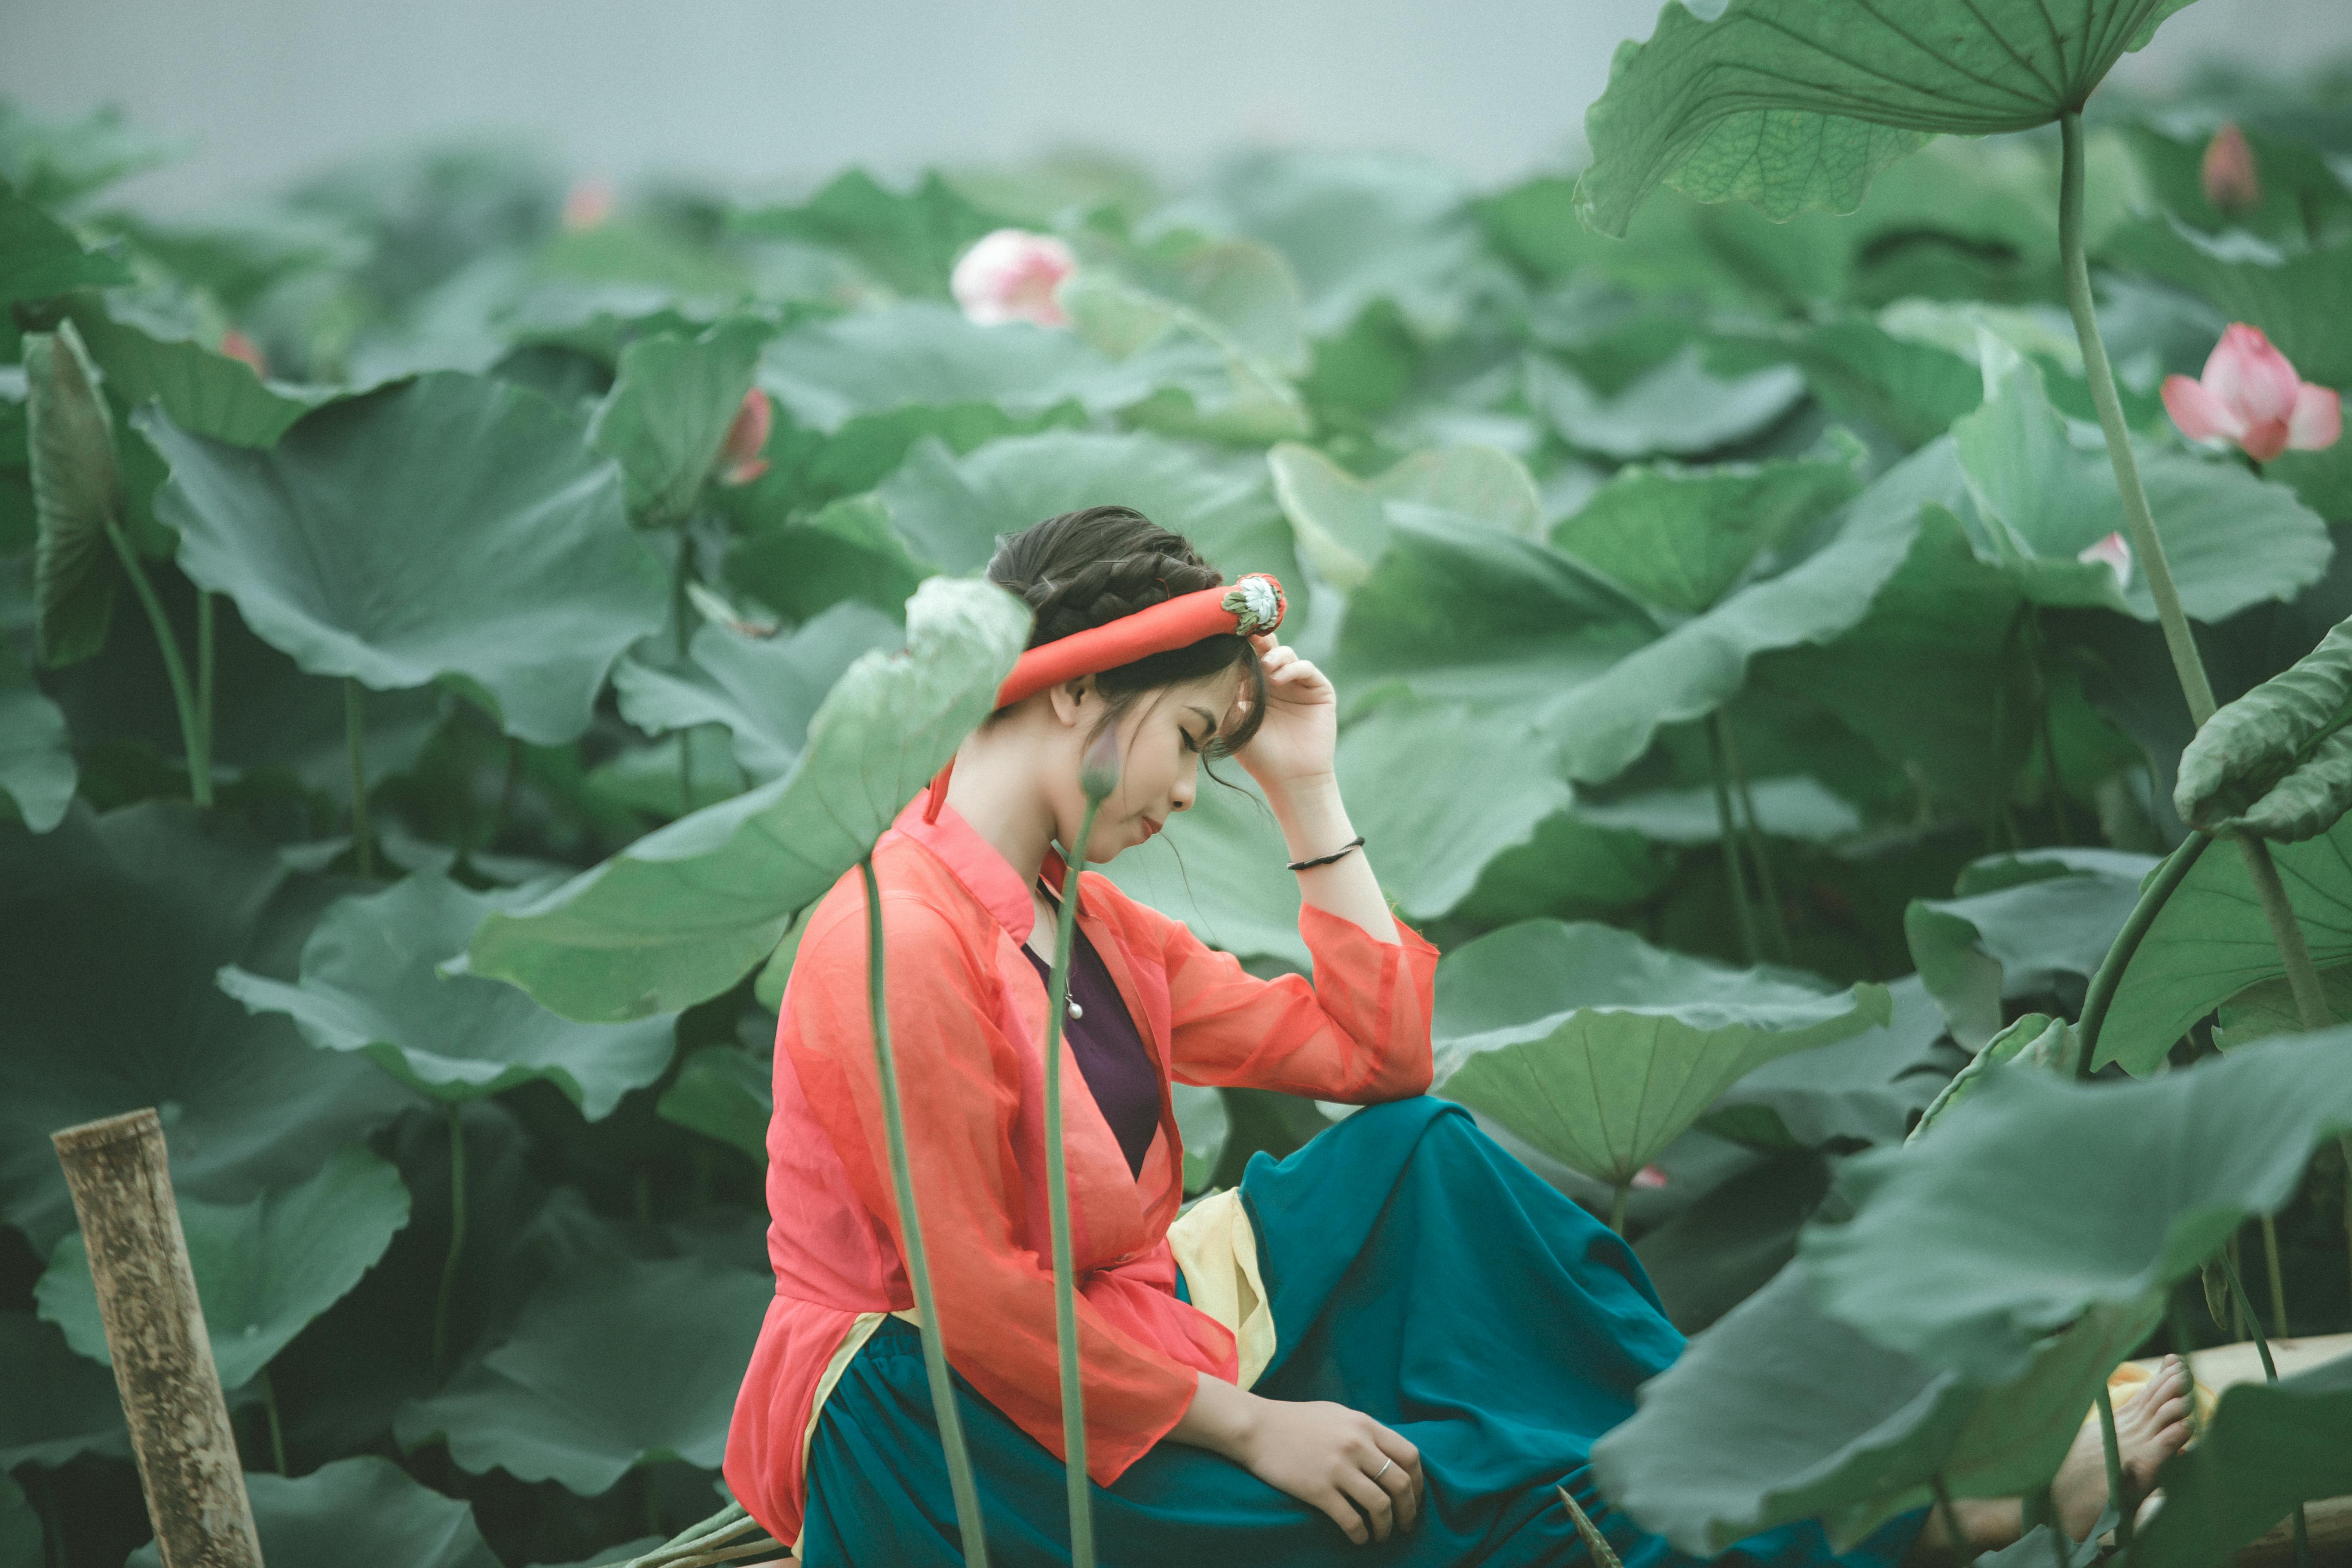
(1355, 843)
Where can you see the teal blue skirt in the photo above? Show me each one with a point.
(1418, 1273)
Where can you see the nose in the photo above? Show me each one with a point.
(1181, 797)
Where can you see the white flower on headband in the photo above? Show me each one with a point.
(1255, 603)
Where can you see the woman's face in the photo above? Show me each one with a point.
(1160, 741)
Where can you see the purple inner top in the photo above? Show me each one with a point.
(1117, 1066)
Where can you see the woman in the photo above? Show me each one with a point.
(1396, 1336)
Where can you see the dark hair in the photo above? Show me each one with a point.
(1085, 568)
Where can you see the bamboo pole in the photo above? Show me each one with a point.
(180, 1435)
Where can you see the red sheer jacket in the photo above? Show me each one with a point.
(967, 1015)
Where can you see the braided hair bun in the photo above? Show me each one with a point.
(1084, 569)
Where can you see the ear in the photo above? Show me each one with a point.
(1075, 702)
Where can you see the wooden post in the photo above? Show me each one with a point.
(155, 1335)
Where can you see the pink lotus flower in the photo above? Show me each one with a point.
(2251, 395)
(1648, 1178)
(738, 461)
(2228, 172)
(588, 203)
(1010, 276)
(238, 346)
(2113, 551)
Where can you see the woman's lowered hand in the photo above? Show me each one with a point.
(1365, 1477)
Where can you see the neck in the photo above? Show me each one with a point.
(1000, 804)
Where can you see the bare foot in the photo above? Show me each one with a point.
(2150, 1426)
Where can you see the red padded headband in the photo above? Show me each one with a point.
(1251, 603)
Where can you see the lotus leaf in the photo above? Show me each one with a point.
(1679, 409)
(1956, 1254)
(368, 984)
(362, 1512)
(1795, 806)
(263, 1269)
(245, 1105)
(38, 258)
(77, 496)
(669, 409)
(2033, 1040)
(684, 913)
(1793, 104)
(21, 1541)
(918, 355)
(553, 1402)
(2270, 1446)
(512, 570)
(1341, 521)
(2299, 298)
(2276, 762)
(1861, 1091)
(60, 1404)
(1781, 1411)
(764, 691)
(909, 242)
(200, 390)
(724, 1093)
(36, 764)
(2211, 943)
(1600, 1049)
(2017, 923)
(1201, 1119)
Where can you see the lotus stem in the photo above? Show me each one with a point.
(204, 662)
(1057, 1191)
(1622, 1191)
(2302, 976)
(2058, 1542)
(2344, 1147)
(961, 1485)
(1951, 1513)
(1753, 835)
(2277, 1280)
(2152, 898)
(363, 843)
(700, 1545)
(457, 1243)
(2118, 1491)
(276, 1427)
(2270, 1374)
(2177, 1316)
(1718, 767)
(192, 736)
(2049, 735)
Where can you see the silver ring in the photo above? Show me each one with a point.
(1383, 1470)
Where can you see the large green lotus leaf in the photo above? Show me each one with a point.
(60, 1404)
(2015, 924)
(361, 1512)
(201, 390)
(1865, 374)
(368, 984)
(449, 526)
(77, 496)
(1342, 521)
(1204, 1124)
(2275, 762)
(21, 1535)
(907, 242)
(919, 354)
(2231, 539)
(1604, 724)
(2270, 1446)
(1356, 227)
(950, 510)
(1443, 790)
(36, 764)
(2298, 194)
(1464, 613)
(2268, 1008)
(1680, 409)
(117, 924)
(2039, 1199)
(2299, 299)
(1794, 806)
(1575, 865)
(671, 404)
(845, 550)
(684, 913)
(54, 162)
(263, 1269)
(808, 467)
(724, 1093)
(1219, 867)
(1862, 1089)
(1781, 1413)
(1679, 538)
(625, 1364)
(1241, 291)
(2211, 941)
(1600, 1049)
(38, 258)
(1797, 104)
(764, 691)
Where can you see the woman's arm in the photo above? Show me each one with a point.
(1291, 758)
(1367, 1478)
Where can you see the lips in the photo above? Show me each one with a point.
(1150, 827)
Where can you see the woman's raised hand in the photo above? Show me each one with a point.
(1301, 727)
(1365, 1477)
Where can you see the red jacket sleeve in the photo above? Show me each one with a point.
(1358, 1031)
(960, 1086)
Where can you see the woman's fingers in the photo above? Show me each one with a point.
(1403, 1477)
(1344, 1513)
(1373, 1499)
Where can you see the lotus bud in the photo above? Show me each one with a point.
(1649, 1178)
(1099, 770)
(2228, 174)
(238, 346)
(588, 203)
(1010, 276)
(739, 456)
(2114, 552)
(2251, 395)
